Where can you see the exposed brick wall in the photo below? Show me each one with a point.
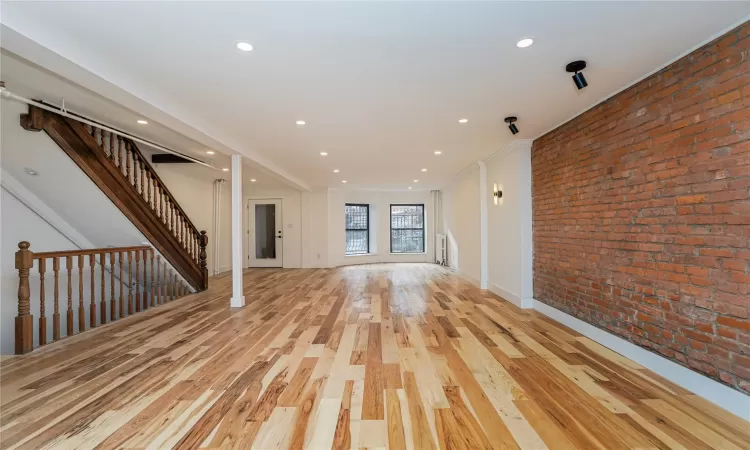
(642, 212)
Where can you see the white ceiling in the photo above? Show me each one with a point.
(380, 84)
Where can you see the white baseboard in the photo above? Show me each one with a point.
(524, 303)
(731, 400)
(225, 268)
(469, 278)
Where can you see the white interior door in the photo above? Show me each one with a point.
(265, 233)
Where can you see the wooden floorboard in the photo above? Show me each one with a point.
(401, 356)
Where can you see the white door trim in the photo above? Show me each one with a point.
(251, 261)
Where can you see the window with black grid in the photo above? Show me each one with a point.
(357, 219)
(407, 228)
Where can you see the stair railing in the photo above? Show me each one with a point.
(128, 279)
(126, 156)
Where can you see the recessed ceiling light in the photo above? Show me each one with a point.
(323, 153)
(416, 181)
(31, 172)
(523, 43)
(463, 120)
(244, 46)
(252, 180)
(300, 122)
(225, 169)
(335, 170)
(438, 152)
(343, 181)
(424, 170)
(210, 152)
(142, 122)
(409, 187)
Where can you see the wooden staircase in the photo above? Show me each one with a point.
(120, 170)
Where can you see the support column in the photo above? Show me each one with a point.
(484, 244)
(238, 300)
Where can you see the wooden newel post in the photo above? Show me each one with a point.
(202, 259)
(24, 321)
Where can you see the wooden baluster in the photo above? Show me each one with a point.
(178, 232)
(172, 214)
(135, 170)
(120, 162)
(42, 313)
(99, 138)
(130, 283)
(103, 301)
(137, 282)
(112, 301)
(159, 299)
(153, 280)
(156, 197)
(69, 265)
(81, 309)
(164, 283)
(127, 166)
(202, 262)
(56, 304)
(92, 306)
(24, 320)
(149, 183)
(112, 147)
(143, 187)
(161, 203)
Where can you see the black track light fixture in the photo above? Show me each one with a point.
(512, 126)
(578, 79)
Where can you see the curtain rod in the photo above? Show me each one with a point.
(6, 93)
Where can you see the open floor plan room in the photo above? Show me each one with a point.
(375, 225)
(376, 356)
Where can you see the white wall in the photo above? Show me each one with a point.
(380, 203)
(509, 224)
(60, 183)
(509, 247)
(461, 224)
(315, 225)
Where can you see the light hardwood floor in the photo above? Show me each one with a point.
(381, 356)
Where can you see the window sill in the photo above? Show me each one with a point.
(360, 254)
(409, 253)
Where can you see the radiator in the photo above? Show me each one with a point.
(442, 250)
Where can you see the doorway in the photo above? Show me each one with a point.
(265, 234)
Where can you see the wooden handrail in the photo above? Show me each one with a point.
(119, 168)
(161, 184)
(89, 251)
(148, 286)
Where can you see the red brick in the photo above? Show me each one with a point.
(734, 323)
(654, 209)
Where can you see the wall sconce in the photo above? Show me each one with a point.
(497, 194)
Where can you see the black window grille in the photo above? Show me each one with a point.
(357, 219)
(407, 228)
